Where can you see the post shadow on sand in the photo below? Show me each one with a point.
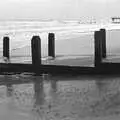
(41, 106)
(9, 86)
(38, 91)
(38, 97)
(52, 93)
(53, 84)
(102, 84)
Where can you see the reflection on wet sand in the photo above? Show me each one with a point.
(38, 91)
(9, 86)
(47, 98)
(109, 96)
(52, 93)
(44, 93)
(101, 85)
(38, 97)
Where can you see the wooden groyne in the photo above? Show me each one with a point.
(6, 47)
(99, 67)
(51, 45)
(36, 51)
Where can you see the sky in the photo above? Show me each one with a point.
(58, 9)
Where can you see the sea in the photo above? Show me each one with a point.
(26, 96)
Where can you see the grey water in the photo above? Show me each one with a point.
(30, 97)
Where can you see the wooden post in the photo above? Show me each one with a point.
(51, 45)
(6, 47)
(36, 50)
(98, 48)
(103, 33)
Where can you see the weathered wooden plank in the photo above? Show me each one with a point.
(103, 35)
(6, 47)
(98, 48)
(51, 45)
(36, 50)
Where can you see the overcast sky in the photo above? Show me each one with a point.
(58, 9)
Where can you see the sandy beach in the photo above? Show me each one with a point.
(69, 86)
(47, 97)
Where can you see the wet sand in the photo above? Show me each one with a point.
(59, 98)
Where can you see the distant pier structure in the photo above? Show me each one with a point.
(115, 20)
